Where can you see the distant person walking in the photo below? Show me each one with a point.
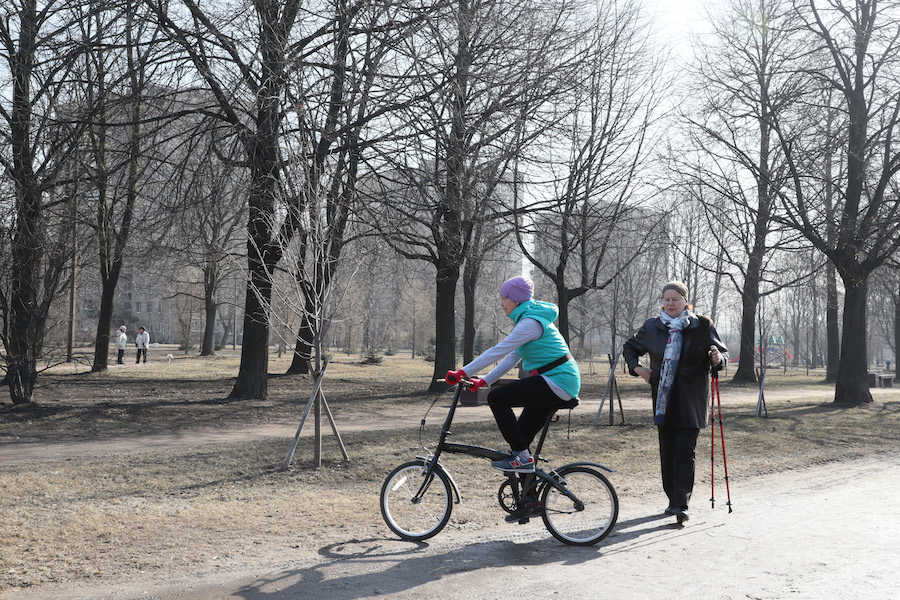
(121, 345)
(143, 342)
(683, 349)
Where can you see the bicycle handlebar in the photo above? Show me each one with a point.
(462, 382)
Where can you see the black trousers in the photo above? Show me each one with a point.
(676, 457)
(538, 402)
(139, 352)
(121, 356)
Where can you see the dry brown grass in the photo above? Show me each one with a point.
(181, 509)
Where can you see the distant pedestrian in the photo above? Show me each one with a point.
(121, 345)
(143, 342)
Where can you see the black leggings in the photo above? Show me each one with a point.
(539, 402)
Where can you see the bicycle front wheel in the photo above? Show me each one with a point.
(413, 518)
(589, 516)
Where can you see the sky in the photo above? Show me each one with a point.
(679, 19)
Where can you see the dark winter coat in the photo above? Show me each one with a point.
(689, 404)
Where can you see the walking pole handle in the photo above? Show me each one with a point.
(715, 373)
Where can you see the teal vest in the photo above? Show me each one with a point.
(547, 348)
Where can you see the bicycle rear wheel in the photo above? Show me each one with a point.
(412, 518)
(589, 519)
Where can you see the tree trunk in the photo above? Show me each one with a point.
(444, 324)
(814, 330)
(104, 320)
(304, 346)
(746, 371)
(210, 283)
(896, 329)
(226, 328)
(852, 382)
(24, 319)
(832, 332)
(562, 297)
(253, 374)
(73, 287)
(469, 281)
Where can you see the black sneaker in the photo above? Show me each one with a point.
(682, 516)
(670, 510)
(523, 514)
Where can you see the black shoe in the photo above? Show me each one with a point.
(670, 510)
(682, 516)
(523, 514)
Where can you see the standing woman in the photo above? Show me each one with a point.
(683, 349)
(554, 378)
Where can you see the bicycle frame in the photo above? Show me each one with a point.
(540, 475)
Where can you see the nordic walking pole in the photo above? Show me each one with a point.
(712, 442)
(722, 434)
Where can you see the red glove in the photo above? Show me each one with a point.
(477, 383)
(454, 377)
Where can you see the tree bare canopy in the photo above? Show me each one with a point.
(734, 169)
(592, 168)
(850, 118)
(488, 76)
(310, 158)
(293, 65)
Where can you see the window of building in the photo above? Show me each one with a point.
(137, 307)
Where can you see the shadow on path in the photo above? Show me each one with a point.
(384, 567)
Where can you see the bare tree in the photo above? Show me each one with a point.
(209, 201)
(743, 77)
(341, 120)
(38, 60)
(596, 157)
(251, 63)
(859, 46)
(124, 119)
(483, 71)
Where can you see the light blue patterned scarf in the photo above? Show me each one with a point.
(670, 361)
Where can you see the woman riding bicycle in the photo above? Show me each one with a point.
(554, 378)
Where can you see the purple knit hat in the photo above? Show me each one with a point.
(518, 289)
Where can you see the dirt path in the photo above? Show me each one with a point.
(831, 532)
